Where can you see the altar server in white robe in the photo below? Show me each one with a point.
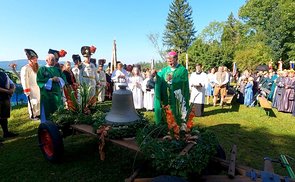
(148, 86)
(29, 83)
(197, 84)
(119, 76)
(135, 85)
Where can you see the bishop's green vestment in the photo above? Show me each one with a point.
(164, 90)
(51, 99)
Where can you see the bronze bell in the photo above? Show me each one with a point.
(122, 111)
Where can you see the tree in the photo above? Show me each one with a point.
(212, 32)
(275, 18)
(252, 55)
(208, 54)
(291, 53)
(179, 33)
(229, 39)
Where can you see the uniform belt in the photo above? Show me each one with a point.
(91, 77)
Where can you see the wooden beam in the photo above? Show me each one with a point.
(84, 128)
(143, 180)
(186, 149)
(130, 144)
(224, 178)
(232, 163)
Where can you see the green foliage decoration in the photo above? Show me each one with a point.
(127, 131)
(164, 154)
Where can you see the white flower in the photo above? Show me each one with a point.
(181, 100)
(178, 94)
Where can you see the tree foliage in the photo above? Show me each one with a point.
(212, 32)
(252, 55)
(264, 31)
(207, 54)
(180, 32)
(274, 18)
(231, 36)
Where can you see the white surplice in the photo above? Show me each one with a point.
(115, 77)
(135, 85)
(148, 96)
(197, 93)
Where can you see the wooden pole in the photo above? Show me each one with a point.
(114, 57)
(153, 64)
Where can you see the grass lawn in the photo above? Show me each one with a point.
(255, 134)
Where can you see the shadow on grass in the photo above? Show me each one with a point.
(254, 144)
(218, 109)
(270, 113)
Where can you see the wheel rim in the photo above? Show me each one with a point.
(47, 143)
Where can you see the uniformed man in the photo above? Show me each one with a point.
(88, 73)
(29, 83)
(76, 69)
(102, 83)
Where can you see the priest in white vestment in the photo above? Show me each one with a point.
(29, 83)
(148, 86)
(135, 85)
(120, 76)
(197, 82)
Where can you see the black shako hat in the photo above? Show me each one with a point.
(57, 54)
(30, 53)
(87, 51)
(76, 58)
(93, 61)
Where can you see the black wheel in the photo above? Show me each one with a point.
(50, 141)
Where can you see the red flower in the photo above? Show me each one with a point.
(62, 53)
(171, 122)
(190, 123)
(92, 49)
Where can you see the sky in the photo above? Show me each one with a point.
(71, 24)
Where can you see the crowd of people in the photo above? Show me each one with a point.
(277, 86)
(50, 87)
